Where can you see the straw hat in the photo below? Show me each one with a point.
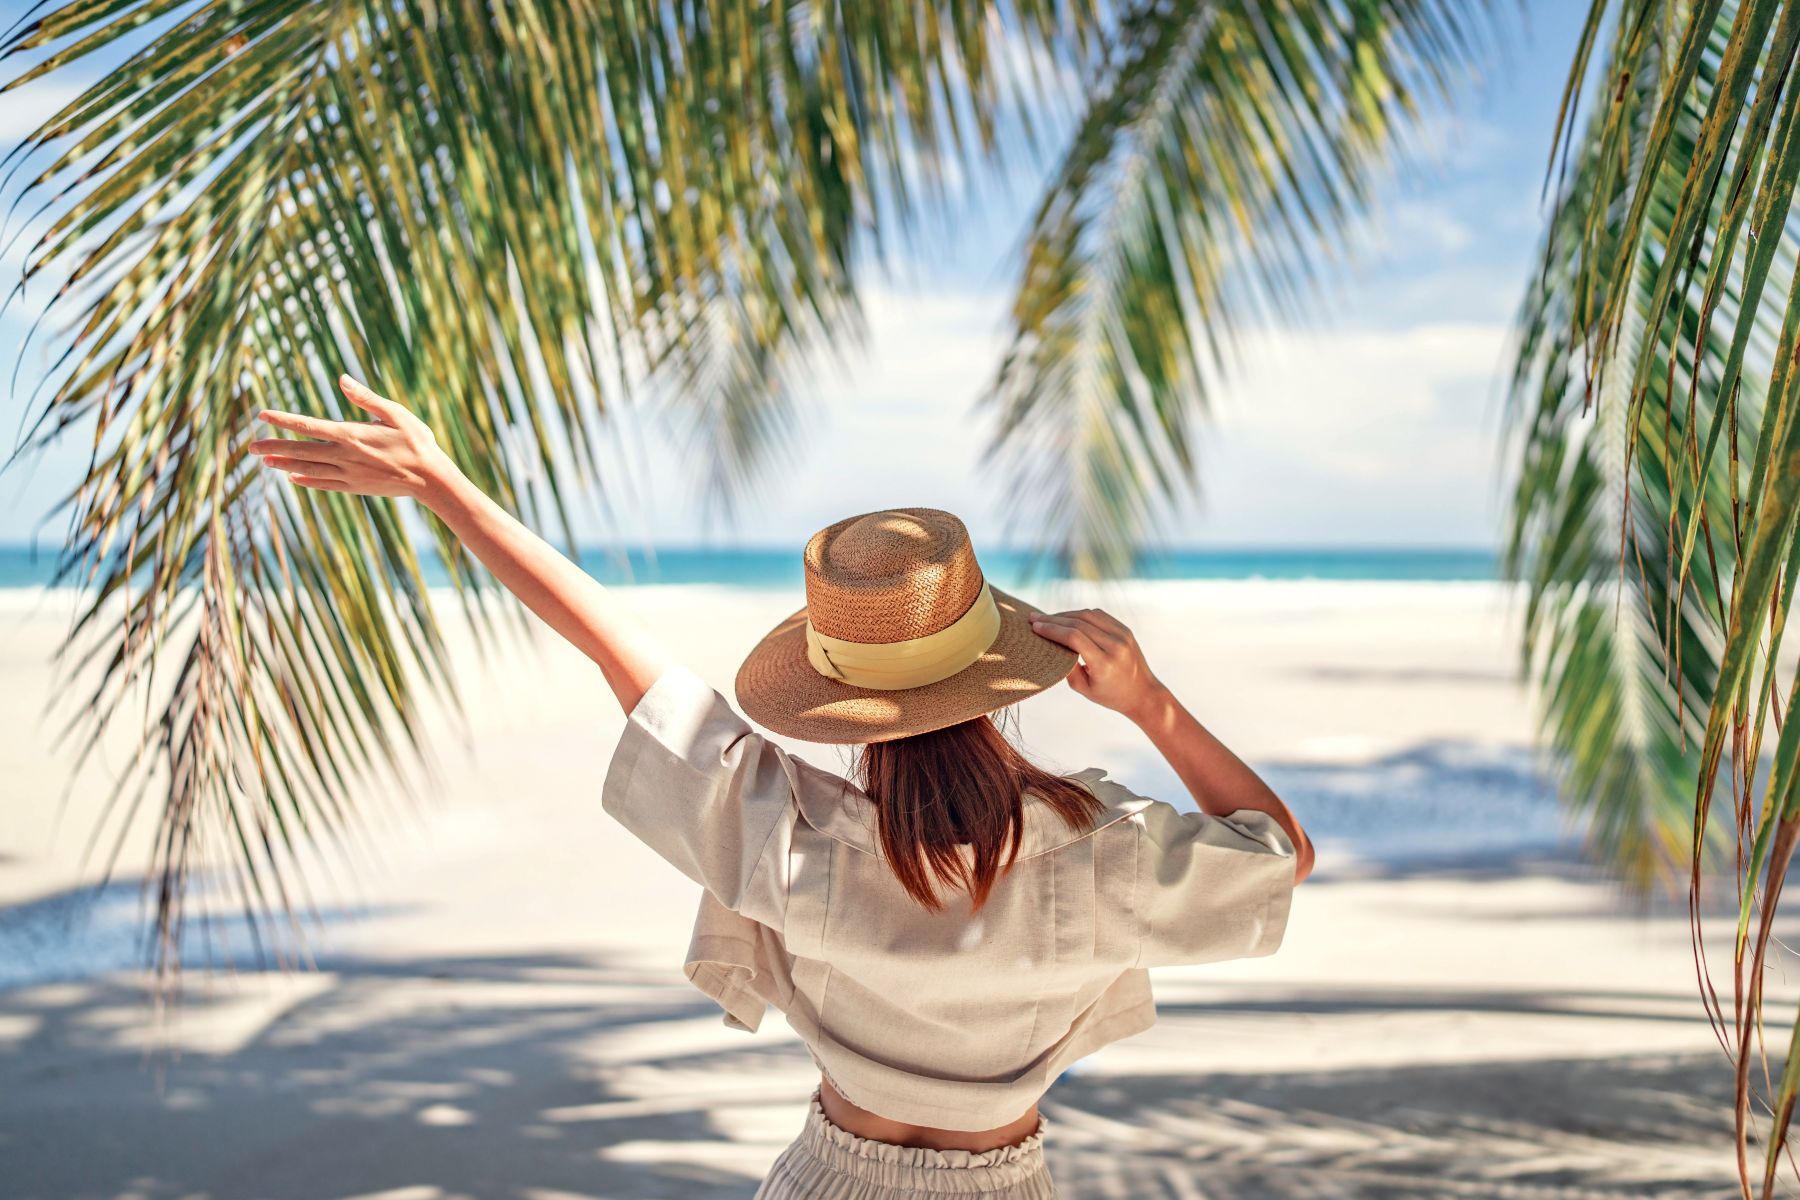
(901, 634)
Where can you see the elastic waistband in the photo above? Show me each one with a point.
(921, 1168)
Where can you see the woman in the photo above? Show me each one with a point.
(957, 927)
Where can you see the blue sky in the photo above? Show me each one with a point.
(1375, 424)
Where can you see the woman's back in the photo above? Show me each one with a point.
(955, 1019)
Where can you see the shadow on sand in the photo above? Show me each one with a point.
(1616, 1127)
(552, 1077)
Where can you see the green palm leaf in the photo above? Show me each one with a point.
(511, 214)
(1609, 619)
(1656, 305)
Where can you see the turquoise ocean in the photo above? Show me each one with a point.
(768, 567)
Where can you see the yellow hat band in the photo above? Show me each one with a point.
(890, 666)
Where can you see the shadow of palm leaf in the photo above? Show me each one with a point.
(564, 1075)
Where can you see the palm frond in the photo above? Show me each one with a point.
(1657, 300)
(1623, 640)
(1219, 166)
(508, 213)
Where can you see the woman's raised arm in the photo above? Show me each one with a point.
(396, 454)
(1114, 674)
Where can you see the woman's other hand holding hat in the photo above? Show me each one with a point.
(1112, 672)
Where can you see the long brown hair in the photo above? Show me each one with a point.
(963, 783)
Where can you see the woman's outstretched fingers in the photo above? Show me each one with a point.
(311, 426)
(358, 394)
(295, 448)
(324, 485)
(316, 470)
(393, 455)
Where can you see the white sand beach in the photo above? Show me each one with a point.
(1461, 1006)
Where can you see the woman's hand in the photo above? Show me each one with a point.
(1112, 672)
(395, 454)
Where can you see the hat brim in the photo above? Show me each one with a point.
(778, 688)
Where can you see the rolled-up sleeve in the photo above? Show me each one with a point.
(695, 783)
(1211, 888)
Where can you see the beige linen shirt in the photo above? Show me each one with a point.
(951, 1019)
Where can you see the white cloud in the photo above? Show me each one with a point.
(1355, 435)
(898, 428)
(1359, 402)
(1375, 362)
(1346, 434)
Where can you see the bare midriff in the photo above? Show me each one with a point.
(865, 1124)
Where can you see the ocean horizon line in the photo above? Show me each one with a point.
(8, 545)
(770, 567)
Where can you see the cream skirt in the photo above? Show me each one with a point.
(828, 1163)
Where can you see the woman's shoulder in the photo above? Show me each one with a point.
(832, 805)
(1120, 808)
(1119, 800)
